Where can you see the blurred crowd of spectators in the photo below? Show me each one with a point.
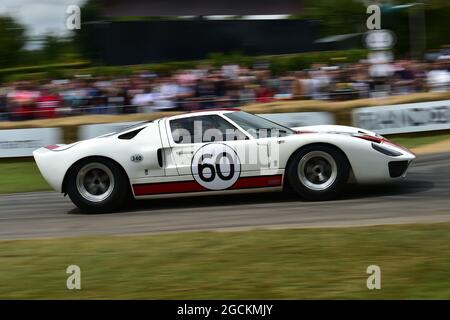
(206, 87)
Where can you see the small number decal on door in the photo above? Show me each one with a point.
(216, 166)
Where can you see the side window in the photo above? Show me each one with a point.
(208, 128)
(216, 128)
(182, 130)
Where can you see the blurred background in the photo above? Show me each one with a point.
(140, 56)
(304, 61)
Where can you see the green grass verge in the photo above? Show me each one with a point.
(21, 175)
(417, 141)
(262, 264)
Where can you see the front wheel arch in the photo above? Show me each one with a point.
(286, 184)
(92, 158)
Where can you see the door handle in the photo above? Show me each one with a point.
(184, 152)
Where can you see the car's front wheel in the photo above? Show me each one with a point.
(97, 185)
(318, 172)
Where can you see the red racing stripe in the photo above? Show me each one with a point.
(258, 182)
(167, 187)
(193, 186)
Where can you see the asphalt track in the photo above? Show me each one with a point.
(423, 197)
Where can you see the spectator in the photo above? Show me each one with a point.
(47, 104)
(438, 78)
(228, 86)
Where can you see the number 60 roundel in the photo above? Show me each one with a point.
(216, 166)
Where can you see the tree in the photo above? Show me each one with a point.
(336, 17)
(90, 11)
(52, 48)
(12, 39)
(348, 16)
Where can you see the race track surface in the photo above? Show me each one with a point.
(423, 197)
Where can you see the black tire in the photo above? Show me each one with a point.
(114, 198)
(306, 178)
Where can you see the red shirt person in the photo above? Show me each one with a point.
(22, 104)
(47, 104)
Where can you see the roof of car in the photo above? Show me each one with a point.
(202, 112)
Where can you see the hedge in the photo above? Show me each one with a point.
(279, 64)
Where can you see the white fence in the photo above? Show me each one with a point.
(300, 119)
(22, 142)
(403, 118)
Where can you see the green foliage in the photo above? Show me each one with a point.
(438, 26)
(54, 50)
(13, 56)
(38, 72)
(12, 39)
(327, 263)
(336, 17)
(218, 59)
(90, 11)
(292, 62)
(349, 16)
(279, 64)
(402, 19)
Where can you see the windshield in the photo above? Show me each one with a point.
(258, 127)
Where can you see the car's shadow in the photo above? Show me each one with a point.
(351, 193)
(385, 190)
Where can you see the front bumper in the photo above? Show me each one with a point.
(398, 168)
(376, 166)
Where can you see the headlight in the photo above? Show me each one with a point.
(386, 151)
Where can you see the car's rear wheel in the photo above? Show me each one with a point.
(97, 185)
(318, 172)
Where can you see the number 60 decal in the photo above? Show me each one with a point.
(216, 166)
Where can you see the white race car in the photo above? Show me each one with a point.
(218, 151)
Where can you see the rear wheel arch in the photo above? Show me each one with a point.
(286, 184)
